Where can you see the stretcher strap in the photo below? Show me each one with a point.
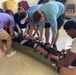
(36, 46)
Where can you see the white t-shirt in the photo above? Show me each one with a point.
(73, 46)
(71, 67)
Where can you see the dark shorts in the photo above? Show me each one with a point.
(18, 39)
(29, 43)
(60, 22)
(73, 63)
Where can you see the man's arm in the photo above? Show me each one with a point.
(11, 31)
(53, 23)
(41, 27)
(19, 30)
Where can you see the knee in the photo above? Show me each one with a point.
(9, 38)
(64, 70)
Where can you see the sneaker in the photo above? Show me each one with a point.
(54, 46)
(12, 53)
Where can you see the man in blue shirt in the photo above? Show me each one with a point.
(51, 14)
(28, 16)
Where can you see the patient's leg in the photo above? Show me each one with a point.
(54, 57)
(23, 41)
(40, 49)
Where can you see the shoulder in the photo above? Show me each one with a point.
(4, 15)
(16, 14)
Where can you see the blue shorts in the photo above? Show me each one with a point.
(73, 63)
(60, 22)
(29, 43)
(18, 39)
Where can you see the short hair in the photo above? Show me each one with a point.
(42, 1)
(36, 16)
(21, 9)
(22, 15)
(9, 12)
(1, 10)
(71, 24)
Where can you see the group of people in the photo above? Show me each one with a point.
(50, 15)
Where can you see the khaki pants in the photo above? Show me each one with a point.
(4, 34)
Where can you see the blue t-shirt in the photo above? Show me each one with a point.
(31, 10)
(17, 20)
(52, 11)
(6, 21)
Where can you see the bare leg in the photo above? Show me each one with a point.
(67, 71)
(8, 38)
(31, 28)
(40, 49)
(47, 34)
(54, 57)
(9, 44)
(1, 46)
